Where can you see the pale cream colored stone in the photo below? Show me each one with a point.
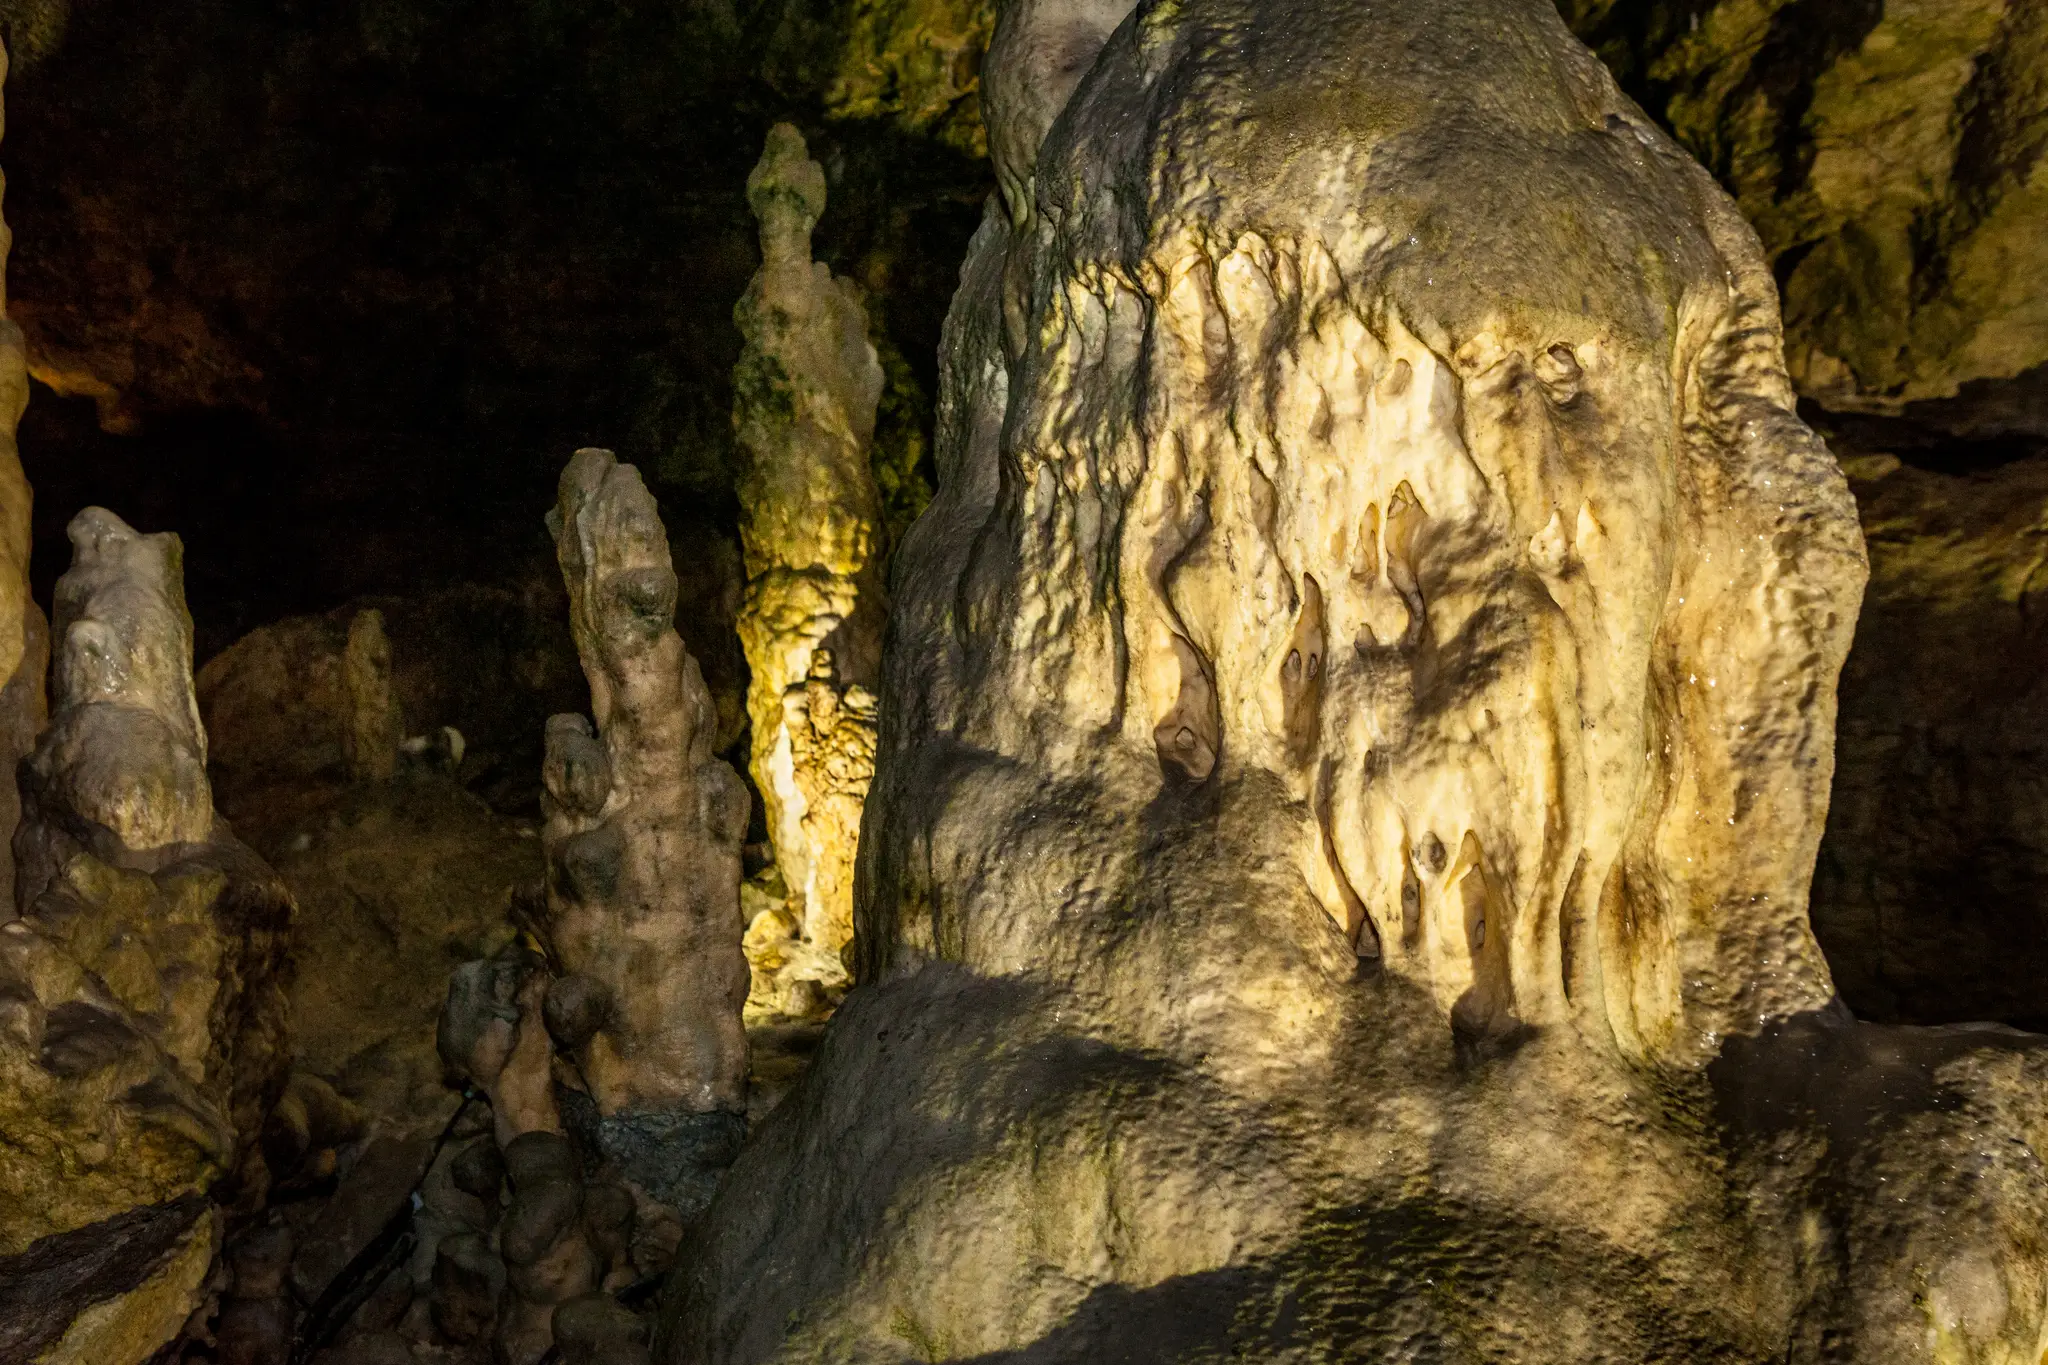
(144, 975)
(807, 387)
(831, 728)
(124, 749)
(1358, 723)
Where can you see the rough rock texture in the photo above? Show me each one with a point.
(609, 1041)
(396, 885)
(811, 529)
(1890, 153)
(1359, 721)
(1929, 896)
(643, 825)
(143, 978)
(24, 634)
(490, 663)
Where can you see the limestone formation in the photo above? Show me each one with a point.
(614, 1030)
(24, 635)
(643, 828)
(917, 61)
(807, 387)
(1358, 725)
(1890, 156)
(143, 976)
(376, 726)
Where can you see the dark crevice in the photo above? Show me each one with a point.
(1988, 424)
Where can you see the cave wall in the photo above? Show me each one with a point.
(332, 287)
(1890, 154)
(329, 289)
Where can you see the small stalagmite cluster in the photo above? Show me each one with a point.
(608, 1042)
(806, 392)
(143, 1035)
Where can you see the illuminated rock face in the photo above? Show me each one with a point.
(1890, 157)
(807, 387)
(1357, 728)
(142, 978)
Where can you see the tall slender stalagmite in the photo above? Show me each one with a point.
(643, 833)
(24, 635)
(807, 385)
(1361, 716)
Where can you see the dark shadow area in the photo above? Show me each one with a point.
(1409, 1279)
(1989, 424)
(275, 527)
(353, 280)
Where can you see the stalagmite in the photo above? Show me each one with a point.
(643, 836)
(142, 981)
(808, 384)
(376, 727)
(1360, 717)
(619, 1029)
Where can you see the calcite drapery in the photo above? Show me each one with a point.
(807, 387)
(143, 979)
(1358, 727)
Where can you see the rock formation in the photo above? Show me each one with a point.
(142, 978)
(643, 835)
(806, 391)
(609, 1042)
(1929, 895)
(1358, 725)
(24, 635)
(1890, 156)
